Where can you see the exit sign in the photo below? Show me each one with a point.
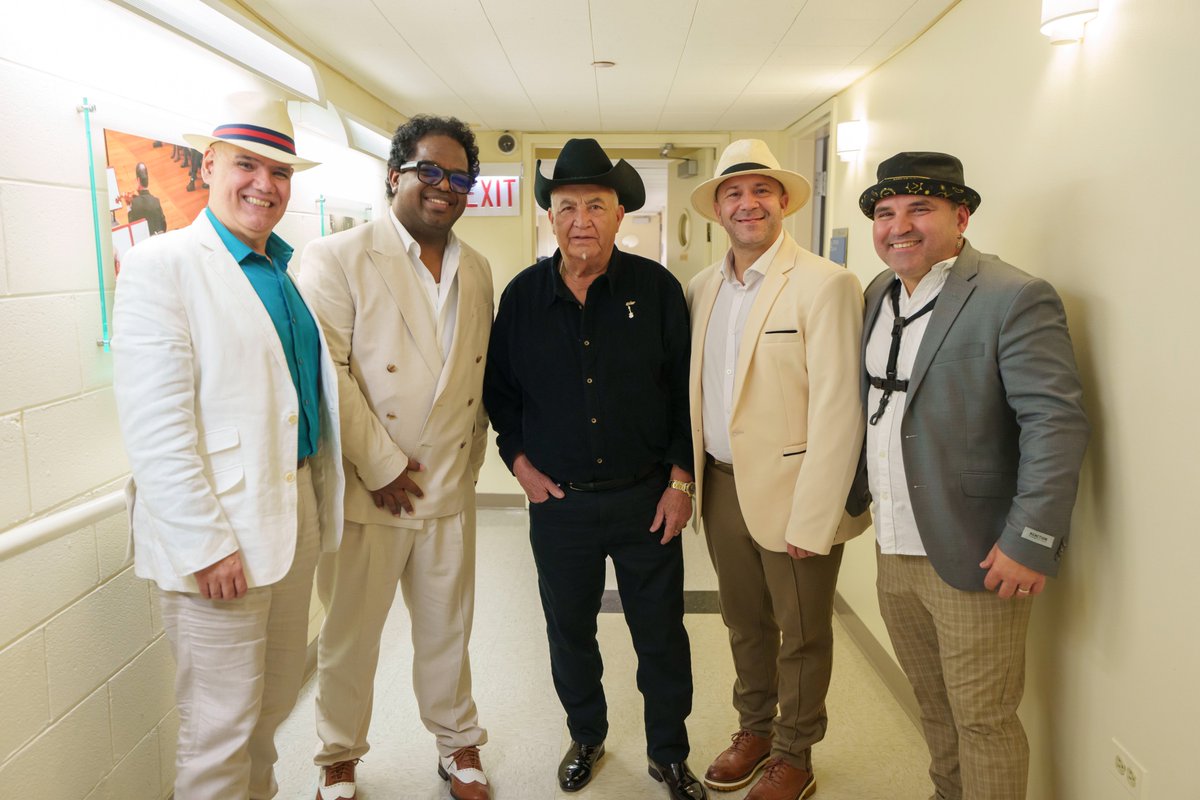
(495, 196)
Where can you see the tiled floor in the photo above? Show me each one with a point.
(872, 750)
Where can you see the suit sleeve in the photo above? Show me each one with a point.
(677, 338)
(833, 334)
(501, 387)
(479, 434)
(1041, 384)
(365, 442)
(154, 383)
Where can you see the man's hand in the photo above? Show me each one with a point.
(799, 552)
(223, 580)
(1007, 577)
(537, 484)
(674, 508)
(395, 496)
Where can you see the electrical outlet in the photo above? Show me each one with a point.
(1128, 771)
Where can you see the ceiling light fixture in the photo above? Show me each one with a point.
(1063, 20)
(237, 38)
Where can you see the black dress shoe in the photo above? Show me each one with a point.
(577, 766)
(681, 783)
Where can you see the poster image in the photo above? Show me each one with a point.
(153, 187)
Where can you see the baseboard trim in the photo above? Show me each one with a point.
(885, 667)
(489, 500)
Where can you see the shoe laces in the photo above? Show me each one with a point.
(775, 771)
(340, 772)
(467, 758)
(741, 740)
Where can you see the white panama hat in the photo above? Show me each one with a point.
(750, 157)
(256, 123)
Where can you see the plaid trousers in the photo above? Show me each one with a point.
(964, 654)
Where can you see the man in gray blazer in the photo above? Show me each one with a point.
(974, 443)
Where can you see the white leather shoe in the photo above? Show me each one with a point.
(337, 781)
(465, 773)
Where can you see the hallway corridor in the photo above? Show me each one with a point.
(872, 751)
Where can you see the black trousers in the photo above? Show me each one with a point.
(571, 539)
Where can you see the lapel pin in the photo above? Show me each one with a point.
(629, 304)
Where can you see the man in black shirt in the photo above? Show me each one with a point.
(587, 388)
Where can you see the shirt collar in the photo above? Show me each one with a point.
(279, 251)
(411, 245)
(759, 267)
(935, 277)
(614, 276)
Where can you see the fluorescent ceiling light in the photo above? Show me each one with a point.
(237, 38)
(367, 140)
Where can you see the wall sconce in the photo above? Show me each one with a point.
(237, 38)
(1063, 20)
(851, 136)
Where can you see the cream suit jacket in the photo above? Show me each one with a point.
(796, 426)
(397, 400)
(209, 416)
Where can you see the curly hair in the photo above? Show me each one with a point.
(404, 142)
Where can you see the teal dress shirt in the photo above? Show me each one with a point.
(295, 325)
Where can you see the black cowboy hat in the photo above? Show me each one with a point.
(929, 174)
(583, 161)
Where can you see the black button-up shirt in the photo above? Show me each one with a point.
(593, 392)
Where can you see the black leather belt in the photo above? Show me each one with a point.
(615, 483)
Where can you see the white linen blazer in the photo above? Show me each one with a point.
(209, 415)
(397, 399)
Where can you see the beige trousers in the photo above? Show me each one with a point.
(964, 654)
(240, 667)
(779, 612)
(435, 569)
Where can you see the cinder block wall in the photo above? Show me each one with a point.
(86, 675)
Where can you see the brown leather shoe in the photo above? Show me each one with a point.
(337, 781)
(781, 781)
(465, 773)
(736, 766)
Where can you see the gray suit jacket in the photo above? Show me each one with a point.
(993, 431)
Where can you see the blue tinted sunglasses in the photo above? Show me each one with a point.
(429, 172)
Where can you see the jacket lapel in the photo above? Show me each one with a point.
(392, 262)
(959, 285)
(218, 260)
(876, 293)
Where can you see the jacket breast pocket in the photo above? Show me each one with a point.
(782, 336)
(989, 484)
(958, 352)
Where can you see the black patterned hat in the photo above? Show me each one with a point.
(929, 174)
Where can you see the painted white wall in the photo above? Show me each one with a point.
(86, 676)
(1085, 158)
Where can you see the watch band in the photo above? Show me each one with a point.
(687, 488)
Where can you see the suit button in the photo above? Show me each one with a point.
(478, 359)
(290, 477)
(390, 415)
(599, 460)
(470, 401)
(391, 367)
(593, 420)
(293, 419)
(461, 445)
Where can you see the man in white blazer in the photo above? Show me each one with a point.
(975, 439)
(407, 308)
(228, 405)
(776, 431)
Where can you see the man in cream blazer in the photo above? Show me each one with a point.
(407, 308)
(777, 430)
(228, 405)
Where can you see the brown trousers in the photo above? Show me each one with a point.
(779, 614)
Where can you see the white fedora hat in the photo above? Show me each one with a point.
(256, 123)
(750, 157)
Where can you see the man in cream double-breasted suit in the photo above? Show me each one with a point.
(777, 431)
(228, 406)
(407, 308)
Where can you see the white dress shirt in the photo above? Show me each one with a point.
(443, 295)
(722, 342)
(891, 505)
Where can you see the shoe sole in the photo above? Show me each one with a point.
(595, 761)
(730, 786)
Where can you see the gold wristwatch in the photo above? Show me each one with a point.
(687, 488)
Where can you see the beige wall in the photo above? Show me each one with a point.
(86, 695)
(1085, 159)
